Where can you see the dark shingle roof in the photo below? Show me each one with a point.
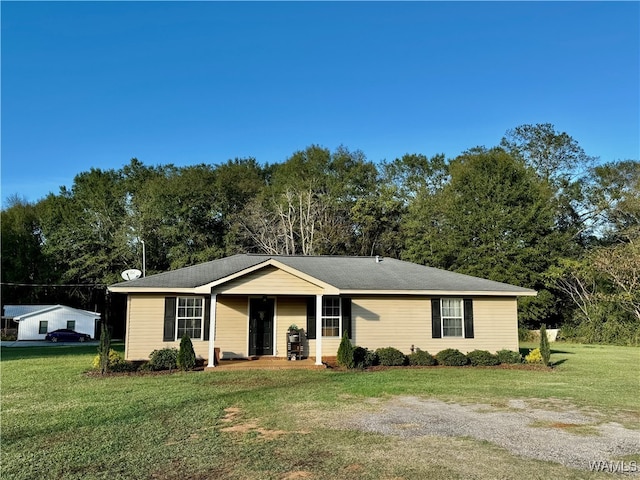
(344, 273)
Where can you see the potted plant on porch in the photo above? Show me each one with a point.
(294, 333)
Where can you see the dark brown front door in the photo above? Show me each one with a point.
(261, 326)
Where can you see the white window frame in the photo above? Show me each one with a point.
(331, 317)
(188, 317)
(45, 324)
(444, 317)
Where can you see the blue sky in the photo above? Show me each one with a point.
(93, 84)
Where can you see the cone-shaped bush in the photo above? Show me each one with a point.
(545, 350)
(186, 354)
(345, 352)
(103, 349)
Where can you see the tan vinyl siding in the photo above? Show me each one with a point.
(390, 321)
(232, 327)
(145, 332)
(289, 310)
(383, 321)
(401, 322)
(269, 281)
(145, 325)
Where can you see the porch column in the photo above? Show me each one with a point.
(212, 331)
(318, 329)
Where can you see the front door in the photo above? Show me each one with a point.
(261, 326)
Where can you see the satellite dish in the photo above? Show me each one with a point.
(131, 274)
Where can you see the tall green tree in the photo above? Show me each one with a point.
(307, 206)
(495, 218)
(555, 156)
(22, 256)
(85, 229)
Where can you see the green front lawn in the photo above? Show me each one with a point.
(58, 422)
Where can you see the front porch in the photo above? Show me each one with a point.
(267, 363)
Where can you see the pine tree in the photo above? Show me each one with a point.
(103, 348)
(345, 352)
(545, 350)
(186, 354)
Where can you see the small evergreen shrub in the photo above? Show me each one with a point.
(452, 357)
(482, 358)
(104, 349)
(509, 357)
(391, 357)
(545, 350)
(422, 358)
(186, 359)
(534, 356)
(163, 359)
(115, 363)
(113, 358)
(123, 366)
(364, 358)
(345, 352)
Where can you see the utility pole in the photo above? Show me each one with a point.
(144, 259)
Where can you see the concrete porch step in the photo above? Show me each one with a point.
(267, 363)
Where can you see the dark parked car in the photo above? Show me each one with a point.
(66, 335)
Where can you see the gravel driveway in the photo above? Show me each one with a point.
(570, 437)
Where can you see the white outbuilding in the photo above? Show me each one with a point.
(35, 321)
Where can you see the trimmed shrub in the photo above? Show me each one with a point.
(452, 357)
(545, 350)
(345, 352)
(364, 358)
(113, 358)
(163, 359)
(123, 366)
(115, 363)
(534, 356)
(186, 359)
(422, 358)
(482, 358)
(391, 357)
(509, 356)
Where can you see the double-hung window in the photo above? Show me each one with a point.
(190, 317)
(331, 315)
(43, 327)
(452, 317)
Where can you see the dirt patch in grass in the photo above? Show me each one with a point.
(297, 474)
(233, 414)
(570, 437)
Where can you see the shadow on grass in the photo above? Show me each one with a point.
(20, 353)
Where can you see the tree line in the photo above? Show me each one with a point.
(535, 210)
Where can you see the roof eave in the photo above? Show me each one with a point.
(432, 293)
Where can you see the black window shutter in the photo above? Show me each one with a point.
(346, 316)
(436, 330)
(468, 318)
(207, 317)
(169, 319)
(311, 317)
